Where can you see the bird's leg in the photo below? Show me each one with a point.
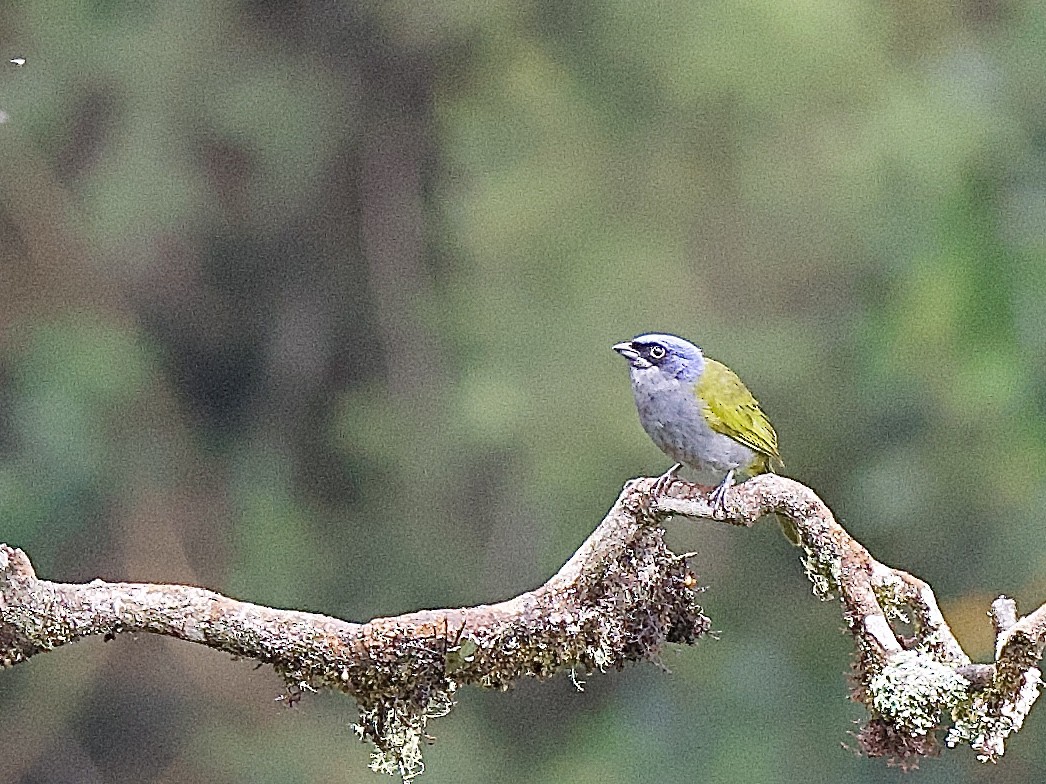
(665, 481)
(718, 495)
(659, 487)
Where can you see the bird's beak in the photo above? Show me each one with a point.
(625, 349)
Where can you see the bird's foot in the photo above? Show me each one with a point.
(661, 484)
(665, 481)
(717, 498)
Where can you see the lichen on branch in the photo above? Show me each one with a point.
(620, 599)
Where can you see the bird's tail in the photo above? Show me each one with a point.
(773, 466)
(788, 529)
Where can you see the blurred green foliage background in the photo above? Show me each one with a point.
(312, 303)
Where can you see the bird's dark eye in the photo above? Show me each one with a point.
(657, 352)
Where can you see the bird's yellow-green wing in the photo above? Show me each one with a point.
(730, 409)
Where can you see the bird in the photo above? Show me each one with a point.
(700, 414)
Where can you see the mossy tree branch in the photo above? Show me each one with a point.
(912, 685)
(619, 599)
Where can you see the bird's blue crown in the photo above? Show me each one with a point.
(681, 358)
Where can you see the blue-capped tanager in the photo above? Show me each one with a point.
(699, 413)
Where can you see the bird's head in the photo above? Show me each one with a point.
(668, 354)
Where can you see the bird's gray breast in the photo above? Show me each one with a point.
(672, 416)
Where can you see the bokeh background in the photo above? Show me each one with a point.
(312, 303)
